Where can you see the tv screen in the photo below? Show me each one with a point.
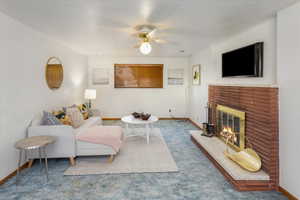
(243, 62)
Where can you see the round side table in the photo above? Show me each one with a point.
(34, 143)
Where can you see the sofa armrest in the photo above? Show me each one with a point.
(64, 145)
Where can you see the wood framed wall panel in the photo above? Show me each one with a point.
(138, 75)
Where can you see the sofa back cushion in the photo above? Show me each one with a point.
(49, 119)
(90, 122)
(75, 116)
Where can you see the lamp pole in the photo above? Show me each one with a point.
(90, 103)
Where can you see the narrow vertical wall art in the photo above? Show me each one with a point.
(196, 74)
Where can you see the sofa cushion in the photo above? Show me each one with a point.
(92, 121)
(75, 116)
(49, 119)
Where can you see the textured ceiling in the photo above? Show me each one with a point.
(106, 26)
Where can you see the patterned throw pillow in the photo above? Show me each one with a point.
(66, 120)
(59, 114)
(49, 119)
(84, 111)
(62, 117)
(75, 116)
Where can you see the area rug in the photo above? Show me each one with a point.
(136, 156)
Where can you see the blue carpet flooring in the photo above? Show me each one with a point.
(197, 179)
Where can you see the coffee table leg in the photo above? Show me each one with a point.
(19, 165)
(46, 162)
(147, 132)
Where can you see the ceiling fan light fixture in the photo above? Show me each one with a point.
(145, 48)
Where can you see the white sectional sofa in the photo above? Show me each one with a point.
(66, 146)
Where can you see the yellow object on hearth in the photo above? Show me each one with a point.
(247, 159)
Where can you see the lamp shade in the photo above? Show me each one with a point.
(90, 94)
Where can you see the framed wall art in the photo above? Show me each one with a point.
(175, 76)
(100, 76)
(196, 70)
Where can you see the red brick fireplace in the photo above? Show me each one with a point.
(261, 127)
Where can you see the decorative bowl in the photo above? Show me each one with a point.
(136, 115)
(145, 116)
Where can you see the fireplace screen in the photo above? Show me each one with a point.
(233, 121)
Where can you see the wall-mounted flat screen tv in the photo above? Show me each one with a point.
(244, 62)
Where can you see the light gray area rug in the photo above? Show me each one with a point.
(136, 156)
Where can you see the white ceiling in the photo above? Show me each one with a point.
(105, 26)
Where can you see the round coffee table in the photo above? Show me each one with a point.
(147, 123)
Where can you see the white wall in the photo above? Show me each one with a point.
(24, 92)
(263, 32)
(281, 34)
(118, 102)
(211, 61)
(199, 93)
(288, 60)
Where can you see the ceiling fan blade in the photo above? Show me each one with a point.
(165, 42)
(160, 41)
(152, 33)
(134, 35)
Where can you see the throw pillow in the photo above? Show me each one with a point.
(85, 115)
(49, 119)
(64, 109)
(66, 120)
(60, 114)
(84, 111)
(75, 116)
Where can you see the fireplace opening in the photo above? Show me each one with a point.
(231, 120)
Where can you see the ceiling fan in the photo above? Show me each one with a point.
(145, 33)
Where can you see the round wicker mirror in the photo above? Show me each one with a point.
(54, 73)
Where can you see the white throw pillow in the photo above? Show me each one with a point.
(75, 116)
